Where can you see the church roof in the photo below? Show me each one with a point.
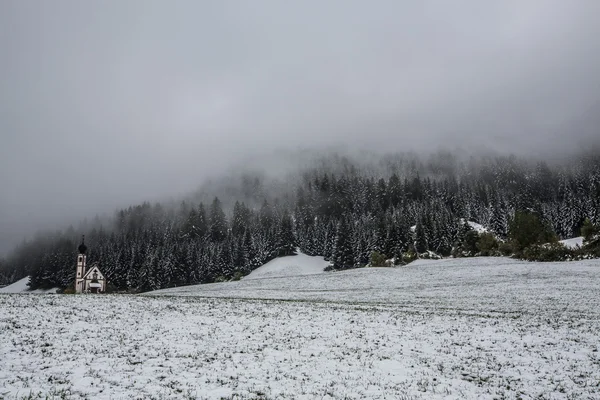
(93, 267)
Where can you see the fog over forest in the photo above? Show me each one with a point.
(106, 104)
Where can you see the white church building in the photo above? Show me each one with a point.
(88, 281)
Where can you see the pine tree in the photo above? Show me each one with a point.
(240, 259)
(421, 243)
(395, 191)
(201, 224)
(343, 253)
(226, 263)
(499, 219)
(217, 222)
(526, 229)
(240, 220)
(188, 229)
(286, 241)
(589, 230)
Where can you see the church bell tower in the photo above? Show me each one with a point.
(80, 273)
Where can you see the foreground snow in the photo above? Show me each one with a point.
(20, 286)
(459, 329)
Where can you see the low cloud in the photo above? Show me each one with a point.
(108, 103)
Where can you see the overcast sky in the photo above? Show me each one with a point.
(105, 103)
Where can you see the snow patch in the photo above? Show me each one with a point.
(297, 265)
(475, 226)
(573, 243)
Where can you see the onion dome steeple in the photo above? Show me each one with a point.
(82, 247)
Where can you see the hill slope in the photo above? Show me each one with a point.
(482, 284)
(20, 286)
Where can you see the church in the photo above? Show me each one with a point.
(88, 281)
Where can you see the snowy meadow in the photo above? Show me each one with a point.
(451, 329)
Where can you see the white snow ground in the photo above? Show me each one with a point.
(573, 242)
(484, 328)
(20, 286)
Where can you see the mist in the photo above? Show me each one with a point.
(103, 104)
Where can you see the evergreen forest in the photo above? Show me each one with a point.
(399, 207)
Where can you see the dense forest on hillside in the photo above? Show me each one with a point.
(340, 208)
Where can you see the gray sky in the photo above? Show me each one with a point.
(104, 103)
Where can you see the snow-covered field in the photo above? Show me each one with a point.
(458, 329)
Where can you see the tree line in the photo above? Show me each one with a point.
(339, 209)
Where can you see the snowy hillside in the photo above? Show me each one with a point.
(21, 287)
(466, 283)
(298, 265)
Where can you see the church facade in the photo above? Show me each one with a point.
(88, 280)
